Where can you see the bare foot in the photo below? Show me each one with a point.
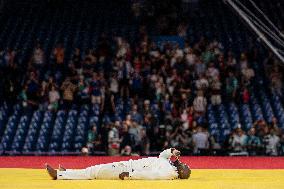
(52, 172)
(60, 168)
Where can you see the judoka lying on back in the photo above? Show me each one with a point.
(151, 168)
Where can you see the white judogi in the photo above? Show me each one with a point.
(151, 168)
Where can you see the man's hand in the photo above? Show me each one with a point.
(176, 152)
(123, 175)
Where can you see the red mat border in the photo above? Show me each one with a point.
(193, 162)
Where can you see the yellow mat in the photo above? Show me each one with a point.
(200, 179)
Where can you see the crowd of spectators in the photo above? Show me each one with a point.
(168, 88)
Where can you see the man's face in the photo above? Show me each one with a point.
(134, 108)
(94, 129)
(252, 131)
(239, 132)
(183, 171)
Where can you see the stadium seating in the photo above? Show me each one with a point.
(26, 132)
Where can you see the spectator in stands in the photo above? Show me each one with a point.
(215, 87)
(54, 98)
(184, 117)
(147, 107)
(247, 75)
(178, 138)
(136, 85)
(44, 95)
(231, 86)
(190, 57)
(135, 115)
(114, 85)
(200, 67)
(83, 91)
(9, 56)
(208, 55)
(124, 73)
(38, 57)
(85, 151)
(68, 89)
(245, 95)
(253, 142)
(96, 86)
(238, 141)
(182, 30)
(126, 151)
(94, 142)
(274, 125)
(212, 72)
(124, 134)
(88, 66)
(135, 133)
(108, 104)
(200, 103)
(32, 90)
(272, 143)
(202, 83)
(144, 143)
(59, 55)
(51, 82)
(276, 78)
(200, 141)
(113, 140)
(231, 61)
(23, 97)
(122, 47)
(215, 146)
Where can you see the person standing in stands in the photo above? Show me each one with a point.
(68, 89)
(54, 98)
(201, 141)
(231, 86)
(58, 54)
(200, 104)
(113, 141)
(96, 89)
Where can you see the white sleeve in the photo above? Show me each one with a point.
(152, 175)
(167, 154)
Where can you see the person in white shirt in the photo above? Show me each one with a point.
(200, 140)
(113, 141)
(238, 141)
(202, 83)
(152, 168)
(272, 142)
(114, 85)
(200, 103)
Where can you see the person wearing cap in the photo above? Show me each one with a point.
(165, 167)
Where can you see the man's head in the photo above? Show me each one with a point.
(183, 171)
